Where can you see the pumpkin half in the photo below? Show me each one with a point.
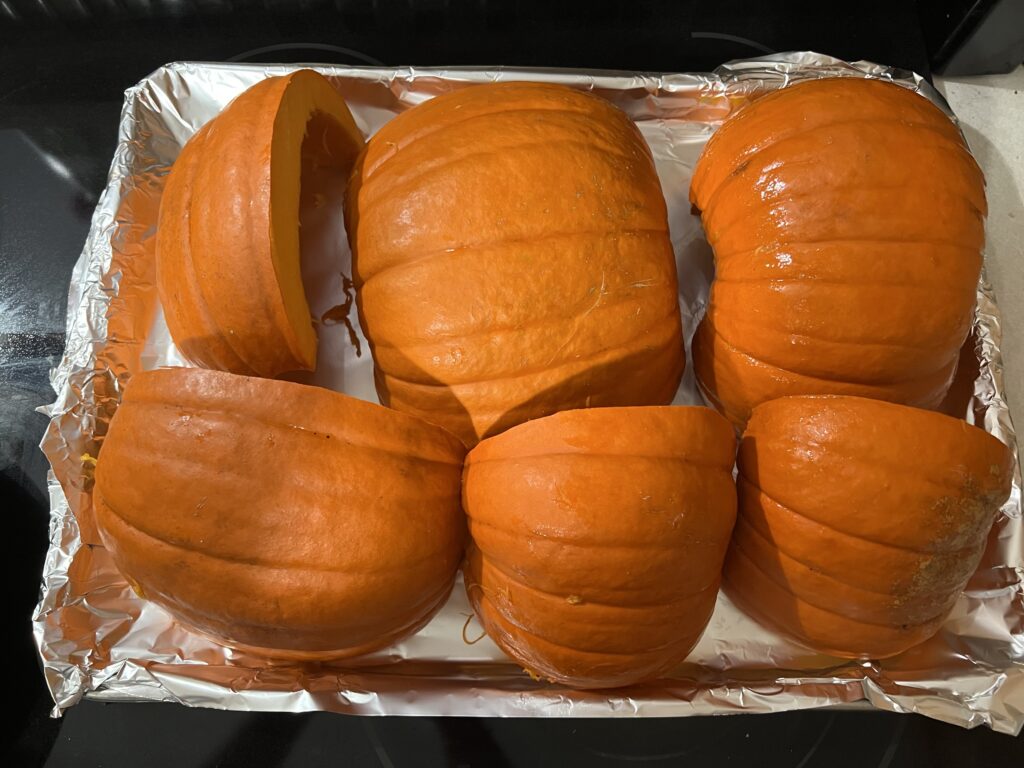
(847, 222)
(511, 250)
(598, 537)
(860, 521)
(228, 236)
(291, 520)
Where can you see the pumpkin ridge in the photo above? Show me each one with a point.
(253, 563)
(497, 608)
(485, 560)
(184, 387)
(439, 340)
(416, 179)
(929, 287)
(508, 638)
(251, 239)
(880, 240)
(504, 242)
(419, 619)
(875, 384)
(346, 440)
(498, 565)
(568, 543)
(737, 551)
(885, 642)
(521, 373)
(740, 321)
(841, 532)
(187, 461)
(436, 128)
(792, 197)
(750, 521)
(489, 561)
(749, 155)
(691, 462)
(471, 384)
(911, 564)
(778, 547)
(183, 189)
(719, 230)
(773, 248)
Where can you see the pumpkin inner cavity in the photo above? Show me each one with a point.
(312, 155)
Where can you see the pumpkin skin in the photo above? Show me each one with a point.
(847, 222)
(511, 253)
(290, 520)
(228, 236)
(860, 521)
(598, 538)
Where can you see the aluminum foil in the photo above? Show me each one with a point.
(98, 639)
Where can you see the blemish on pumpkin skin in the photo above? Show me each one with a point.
(740, 168)
(648, 283)
(561, 500)
(574, 600)
(962, 516)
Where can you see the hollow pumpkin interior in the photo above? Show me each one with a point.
(312, 148)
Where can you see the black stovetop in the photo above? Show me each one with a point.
(63, 69)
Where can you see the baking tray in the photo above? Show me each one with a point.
(98, 639)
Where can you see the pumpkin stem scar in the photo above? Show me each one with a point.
(483, 633)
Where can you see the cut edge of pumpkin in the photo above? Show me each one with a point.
(313, 128)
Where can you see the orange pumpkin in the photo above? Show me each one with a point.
(228, 234)
(847, 221)
(598, 538)
(270, 515)
(512, 256)
(860, 521)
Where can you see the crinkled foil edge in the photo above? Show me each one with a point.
(99, 355)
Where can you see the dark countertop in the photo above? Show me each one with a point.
(61, 82)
